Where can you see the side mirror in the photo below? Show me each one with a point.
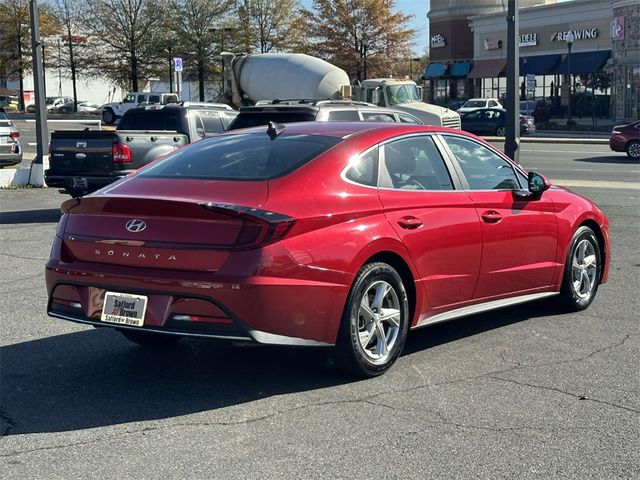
(538, 183)
(375, 95)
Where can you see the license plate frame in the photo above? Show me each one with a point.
(117, 303)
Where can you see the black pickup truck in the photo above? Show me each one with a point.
(81, 162)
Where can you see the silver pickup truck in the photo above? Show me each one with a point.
(82, 162)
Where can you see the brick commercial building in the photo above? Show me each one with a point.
(468, 54)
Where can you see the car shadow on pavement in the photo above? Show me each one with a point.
(613, 158)
(93, 378)
(46, 215)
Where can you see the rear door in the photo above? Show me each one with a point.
(433, 216)
(519, 233)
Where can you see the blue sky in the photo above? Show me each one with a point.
(419, 22)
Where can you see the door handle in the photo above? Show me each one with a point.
(491, 216)
(410, 222)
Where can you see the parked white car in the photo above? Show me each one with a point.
(112, 111)
(478, 103)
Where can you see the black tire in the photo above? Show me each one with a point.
(349, 353)
(501, 131)
(574, 297)
(148, 339)
(633, 149)
(108, 117)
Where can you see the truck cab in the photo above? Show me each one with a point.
(405, 95)
(115, 110)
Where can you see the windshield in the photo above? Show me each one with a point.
(249, 156)
(405, 93)
(475, 103)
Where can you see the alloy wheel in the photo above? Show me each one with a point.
(584, 269)
(633, 150)
(379, 321)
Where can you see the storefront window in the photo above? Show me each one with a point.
(633, 92)
(461, 88)
(441, 91)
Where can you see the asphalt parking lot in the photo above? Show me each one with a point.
(518, 393)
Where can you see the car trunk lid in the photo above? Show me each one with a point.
(186, 227)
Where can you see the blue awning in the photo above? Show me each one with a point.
(460, 69)
(584, 62)
(539, 64)
(434, 70)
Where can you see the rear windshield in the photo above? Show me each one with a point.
(256, 119)
(149, 120)
(250, 156)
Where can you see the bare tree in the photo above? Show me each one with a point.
(15, 40)
(68, 14)
(128, 31)
(200, 24)
(359, 35)
(271, 25)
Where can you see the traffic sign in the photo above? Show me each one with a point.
(531, 81)
(177, 64)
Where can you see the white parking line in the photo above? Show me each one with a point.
(535, 150)
(80, 120)
(598, 184)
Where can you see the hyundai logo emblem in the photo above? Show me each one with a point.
(136, 225)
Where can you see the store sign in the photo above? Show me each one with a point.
(438, 41)
(582, 34)
(617, 28)
(492, 44)
(528, 40)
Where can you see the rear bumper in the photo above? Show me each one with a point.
(94, 182)
(10, 159)
(617, 143)
(261, 309)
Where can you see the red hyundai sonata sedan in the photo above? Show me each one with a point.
(322, 234)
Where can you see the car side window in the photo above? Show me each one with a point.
(414, 163)
(154, 98)
(142, 98)
(378, 117)
(483, 169)
(407, 118)
(363, 168)
(210, 122)
(344, 116)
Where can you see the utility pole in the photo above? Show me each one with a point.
(42, 135)
(512, 137)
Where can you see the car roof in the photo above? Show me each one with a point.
(346, 129)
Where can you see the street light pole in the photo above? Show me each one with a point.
(512, 134)
(569, 38)
(42, 135)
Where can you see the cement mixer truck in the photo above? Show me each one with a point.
(284, 76)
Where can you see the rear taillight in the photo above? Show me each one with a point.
(14, 134)
(121, 153)
(259, 227)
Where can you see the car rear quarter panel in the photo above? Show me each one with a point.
(340, 225)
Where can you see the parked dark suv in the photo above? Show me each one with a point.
(290, 111)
